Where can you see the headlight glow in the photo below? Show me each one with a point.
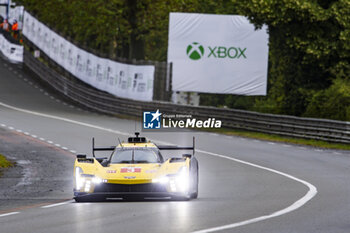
(87, 186)
(182, 179)
(172, 186)
(162, 180)
(96, 180)
(178, 182)
(79, 180)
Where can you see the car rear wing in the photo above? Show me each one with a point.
(171, 147)
(111, 148)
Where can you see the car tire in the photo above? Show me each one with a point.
(194, 195)
(79, 199)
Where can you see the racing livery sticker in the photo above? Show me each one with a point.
(130, 169)
(111, 171)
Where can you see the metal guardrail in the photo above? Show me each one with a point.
(309, 128)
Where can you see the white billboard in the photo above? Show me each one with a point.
(217, 54)
(122, 80)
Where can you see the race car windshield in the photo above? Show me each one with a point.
(134, 156)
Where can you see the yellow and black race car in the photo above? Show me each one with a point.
(136, 169)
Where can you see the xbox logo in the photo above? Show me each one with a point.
(195, 51)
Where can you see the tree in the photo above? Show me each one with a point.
(309, 46)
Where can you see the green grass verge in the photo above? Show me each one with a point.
(4, 163)
(278, 138)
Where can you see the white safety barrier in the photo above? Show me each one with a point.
(11, 51)
(119, 79)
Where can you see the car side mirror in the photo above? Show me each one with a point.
(101, 159)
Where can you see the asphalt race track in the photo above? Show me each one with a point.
(245, 186)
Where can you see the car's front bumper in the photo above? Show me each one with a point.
(108, 190)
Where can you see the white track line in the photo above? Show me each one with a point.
(65, 119)
(56, 204)
(299, 203)
(296, 205)
(42, 139)
(8, 214)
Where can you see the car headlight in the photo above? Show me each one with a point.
(87, 186)
(161, 180)
(79, 180)
(96, 180)
(182, 179)
(178, 182)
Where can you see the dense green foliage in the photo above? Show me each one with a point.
(309, 60)
(334, 100)
(309, 47)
